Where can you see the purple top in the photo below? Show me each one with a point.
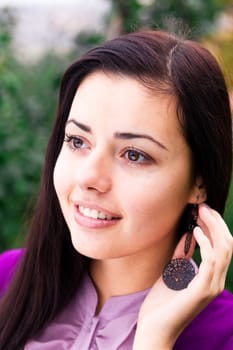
(77, 327)
(8, 264)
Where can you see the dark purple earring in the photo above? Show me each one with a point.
(178, 273)
(192, 224)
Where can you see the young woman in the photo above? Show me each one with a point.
(137, 171)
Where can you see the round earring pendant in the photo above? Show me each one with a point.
(178, 273)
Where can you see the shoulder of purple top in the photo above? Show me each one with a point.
(8, 263)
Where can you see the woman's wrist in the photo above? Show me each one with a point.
(147, 344)
(151, 341)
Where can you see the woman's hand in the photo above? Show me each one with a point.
(165, 313)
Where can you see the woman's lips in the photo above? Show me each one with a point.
(94, 217)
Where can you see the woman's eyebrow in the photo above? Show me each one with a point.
(120, 135)
(129, 136)
(79, 125)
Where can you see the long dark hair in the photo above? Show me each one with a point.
(51, 269)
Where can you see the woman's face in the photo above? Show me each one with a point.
(123, 176)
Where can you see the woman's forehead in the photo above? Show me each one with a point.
(122, 104)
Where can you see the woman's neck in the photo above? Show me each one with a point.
(126, 275)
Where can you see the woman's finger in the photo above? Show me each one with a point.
(215, 262)
(207, 266)
(214, 226)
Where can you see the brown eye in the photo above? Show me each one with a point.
(135, 156)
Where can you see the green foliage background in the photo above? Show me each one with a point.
(28, 98)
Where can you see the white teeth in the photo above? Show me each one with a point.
(93, 213)
(101, 215)
(86, 211)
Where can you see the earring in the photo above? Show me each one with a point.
(179, 272)
(192, 224)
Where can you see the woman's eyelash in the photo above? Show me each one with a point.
(75, 142)
(67, 138)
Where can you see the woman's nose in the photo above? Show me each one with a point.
(94, 172)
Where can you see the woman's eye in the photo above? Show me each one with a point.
(75, 142)
(135, 156)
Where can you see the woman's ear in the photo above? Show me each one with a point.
(199, 194)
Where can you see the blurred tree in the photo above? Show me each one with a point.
(172, 15)
(28, 96)
(128, 13)
(221, 45)
(85, 40)
(9, 85)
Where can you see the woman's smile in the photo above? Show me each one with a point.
(92, 216)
